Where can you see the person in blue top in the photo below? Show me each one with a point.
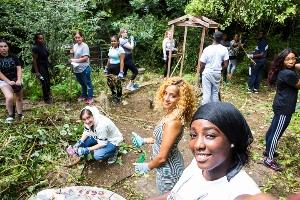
(115, 66)
(259, 56)
(288, 84)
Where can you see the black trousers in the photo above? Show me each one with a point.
(113, 82)
(131, 66)
(45, 82)
(166, 64)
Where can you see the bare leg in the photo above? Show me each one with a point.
(9, 98)
(19, 102)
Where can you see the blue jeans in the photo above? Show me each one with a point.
(85, 81)
(102, 153)
(254, 75)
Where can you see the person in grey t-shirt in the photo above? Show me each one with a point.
(82, 69)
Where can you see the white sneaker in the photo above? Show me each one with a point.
(9, 120)
(129, 86)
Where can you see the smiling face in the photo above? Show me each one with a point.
(3, 49)
(78, 38)
(290, 61)
(211, 149)
(88, 119)
(171, 97)
(124, 34)
(114, 42)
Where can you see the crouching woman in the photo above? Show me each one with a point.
(100, 137)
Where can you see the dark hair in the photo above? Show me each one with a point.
(232, 123)
(36, 36)
(278, 65)
(3, 40)
(79, 33)
(85, 111)
(115, 36)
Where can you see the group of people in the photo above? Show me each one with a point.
(219, 134)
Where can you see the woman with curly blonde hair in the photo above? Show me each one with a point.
(177, 98)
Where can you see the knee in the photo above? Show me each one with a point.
(99, 156)
(9, 98)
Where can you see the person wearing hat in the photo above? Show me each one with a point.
(213, 59)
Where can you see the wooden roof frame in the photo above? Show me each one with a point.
(191, 21)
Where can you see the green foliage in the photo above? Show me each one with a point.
(249, 13)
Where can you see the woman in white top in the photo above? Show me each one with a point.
(220, 139)
(100, 137)
(168, 45)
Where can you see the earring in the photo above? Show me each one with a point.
(232, 145)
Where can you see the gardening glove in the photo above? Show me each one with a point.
(78, 144)
(141, 168)
(121, 75)
(71, 151)
(250, 55)
(137, 140)
(82, 151)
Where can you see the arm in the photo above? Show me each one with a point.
(128, 45)
(171, 131)
(225, 64)
(35, 66)
(298, 85)
(164, 49)
(297, 66)
(122, 58)
(259, 196)
(81, 59)
(19, 75)
(161, 197)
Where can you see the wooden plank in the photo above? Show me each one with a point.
(188, 25)
(200, 51)
(179, 19)
(170, 52)
(183, 51)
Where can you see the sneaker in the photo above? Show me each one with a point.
(9, 120)
(129, 85)
(20, 117)
(255, 91)
(113, 158)
(266, 155)
(81, 98)
(272, 165)
(89, 101)
(249, 90)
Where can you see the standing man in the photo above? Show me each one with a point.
(259, 56)
(213, 58)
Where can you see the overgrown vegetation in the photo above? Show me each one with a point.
(33, 151)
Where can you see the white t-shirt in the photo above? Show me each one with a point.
(193, 186)
(114, 55)
(79, 51)
(213, 56)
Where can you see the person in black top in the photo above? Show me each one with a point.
(40, 63)
(11, 81)
(259, 57)
(288, 84)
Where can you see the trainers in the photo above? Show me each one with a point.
(113, 158)
(249, 90)
(20, 117)
(272, 165)
(81, 98)
(89, 101)
(129, 85)
(266, 155)
(9, 120)
(255, 91)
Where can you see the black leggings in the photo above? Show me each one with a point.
(166, 64)
(113, 82)
(45, 82)
(130, 65)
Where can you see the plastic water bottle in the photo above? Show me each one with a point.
(41, 78)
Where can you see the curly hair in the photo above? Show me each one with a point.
(277, 65)
(186, 104)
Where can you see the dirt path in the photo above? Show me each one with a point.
(137, 116)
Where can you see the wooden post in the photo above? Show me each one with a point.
(170, 52)
(183, 50)
(201, 49)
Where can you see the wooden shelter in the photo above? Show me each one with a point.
(191, 21)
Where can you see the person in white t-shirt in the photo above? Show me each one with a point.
(213, 58)
(100, 137)
(220, 139)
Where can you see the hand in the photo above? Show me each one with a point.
(78, 144)
(250, 55)
(71, 150)
(165, 57)
(82, 151)
(18, 82)
(131, 38)
(141, 168)
(137, 140)
(121, 75)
